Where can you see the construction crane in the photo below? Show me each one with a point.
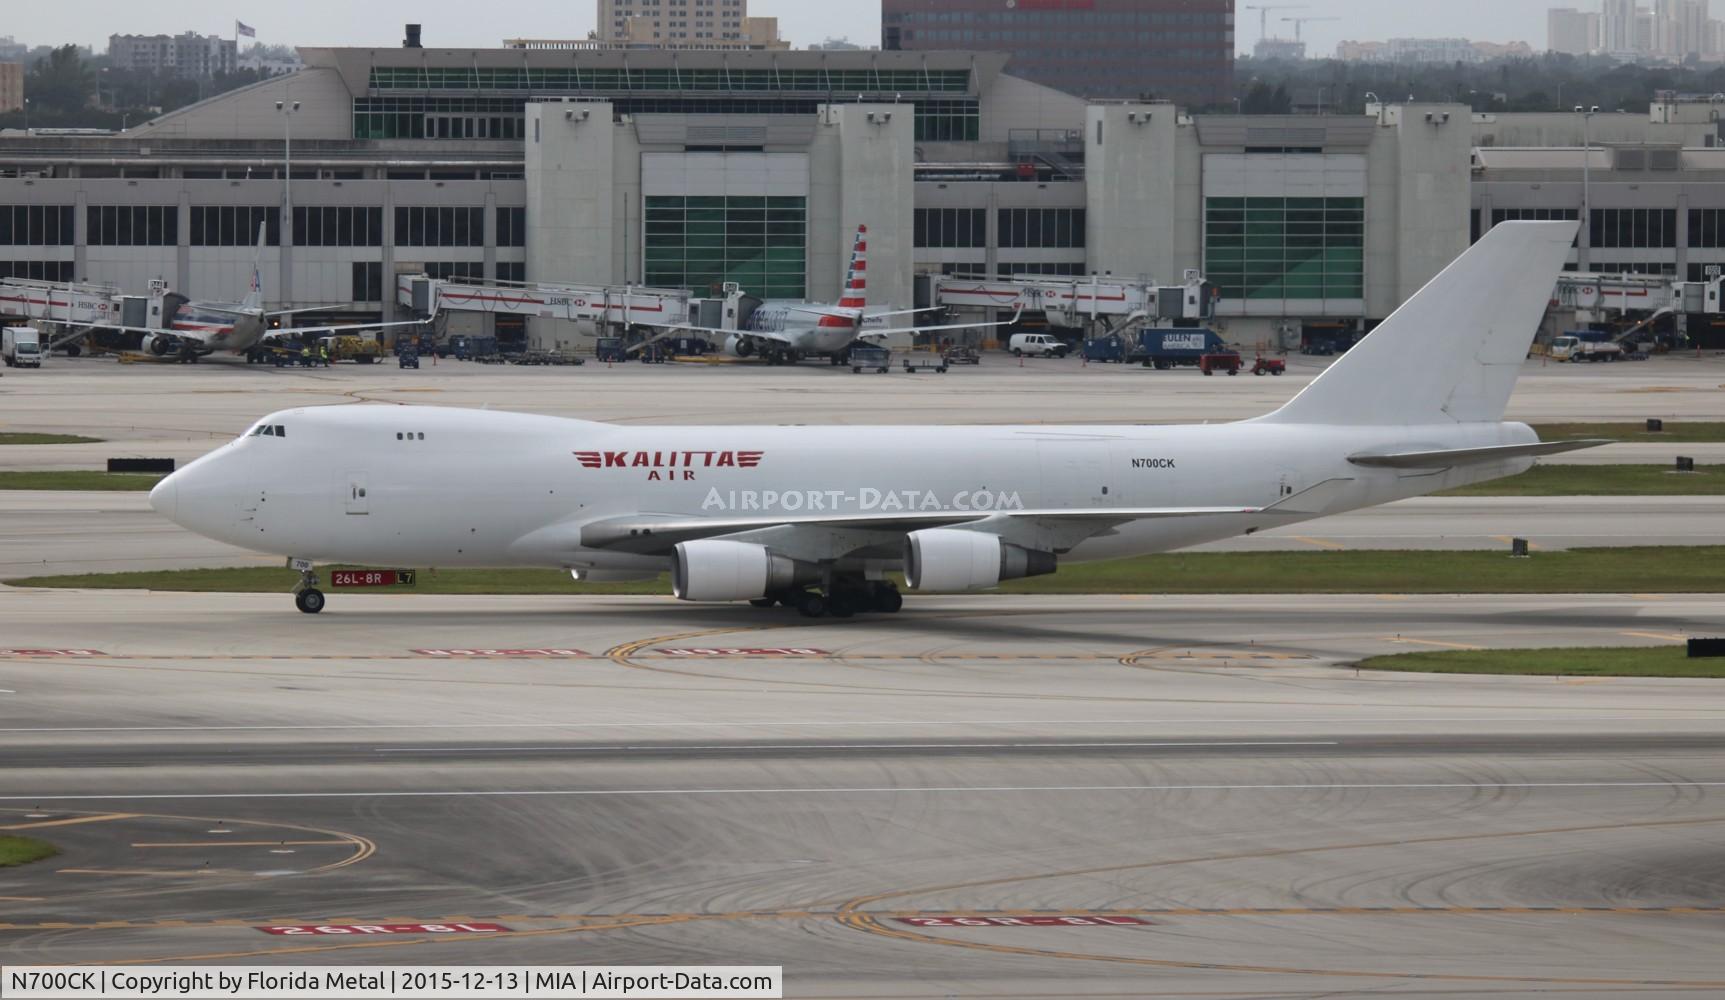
(1264, 14)
(1300, 22)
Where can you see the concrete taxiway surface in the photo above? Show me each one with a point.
(981, 796)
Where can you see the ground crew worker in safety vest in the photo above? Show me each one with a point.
(323, 353)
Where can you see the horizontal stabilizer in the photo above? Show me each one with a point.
(1470, 456)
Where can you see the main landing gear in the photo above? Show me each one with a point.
(841, 599)
(306, 596)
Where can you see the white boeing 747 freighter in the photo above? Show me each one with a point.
(817, 517)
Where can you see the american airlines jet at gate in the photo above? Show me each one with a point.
(786, 331)
(817, 517)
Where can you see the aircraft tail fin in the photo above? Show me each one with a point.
(1453, 351)
(855, 293)
(254, 300)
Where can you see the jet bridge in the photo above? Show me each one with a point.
(1097, 304)
(599, 306)
(60, 302)
(70, 309)
(1633, 302)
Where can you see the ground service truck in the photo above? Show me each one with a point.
(21, 347)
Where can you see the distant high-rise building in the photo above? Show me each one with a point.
(1692, 18)
(1570, 31)
(1646, 34)
(11, 87)
(1618, 26)
(189, 55)
(673, 23)
(1665, 40)
(1182, 50)
(12, 50)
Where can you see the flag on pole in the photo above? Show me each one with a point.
(242, 28)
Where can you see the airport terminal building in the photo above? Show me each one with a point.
(690, 168)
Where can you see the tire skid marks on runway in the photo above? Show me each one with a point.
(1176, 912)
(868, 923)
(854, 915)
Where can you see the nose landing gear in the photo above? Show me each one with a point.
(306, 596)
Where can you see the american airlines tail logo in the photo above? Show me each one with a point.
(669, 465)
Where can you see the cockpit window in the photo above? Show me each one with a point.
(268, 430)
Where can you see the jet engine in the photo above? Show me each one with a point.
(946, 560)
(162, 346)
(715, 570)
(738, 346)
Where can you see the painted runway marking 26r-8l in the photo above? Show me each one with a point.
(517, 653)
(1042, 921)
(740, 651)
(360, 929)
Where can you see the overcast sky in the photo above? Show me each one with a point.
(462, 23)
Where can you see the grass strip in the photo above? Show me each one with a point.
(19, 437)
(1700, 432)
(1646, 570)
(1637, 661)
(50, 479)
(1600, 481)
(23, 850)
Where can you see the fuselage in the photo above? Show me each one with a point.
(433, 486)
(218, 326)
(811, 328)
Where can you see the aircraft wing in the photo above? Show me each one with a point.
(289, 331)
(914, 330)
(194, 336)
(903, 312)
(657, 533)
(1054, 528)
(772, 335)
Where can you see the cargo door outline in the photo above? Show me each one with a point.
(356, 497)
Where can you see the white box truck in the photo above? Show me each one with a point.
(21, 347)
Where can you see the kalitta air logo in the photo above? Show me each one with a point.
(667, 466)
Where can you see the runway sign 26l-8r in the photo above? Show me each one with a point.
(371, 578)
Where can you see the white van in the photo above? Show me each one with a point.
(1037, 345)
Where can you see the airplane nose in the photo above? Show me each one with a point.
(165, 498)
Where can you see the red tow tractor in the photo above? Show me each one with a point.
(1269, 366)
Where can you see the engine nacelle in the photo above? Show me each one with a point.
(945, 560)
(716, 570)
(161, 347)
(739, 346)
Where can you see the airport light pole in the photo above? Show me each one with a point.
(1585, 261)
(287, 109)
